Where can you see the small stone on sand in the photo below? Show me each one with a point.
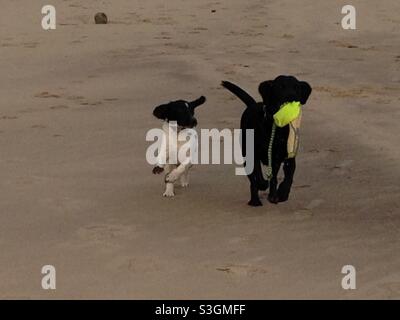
(100, 18)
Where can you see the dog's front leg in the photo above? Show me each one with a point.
(169, 187)
(289, 167)
(273, 183)
(255, 198)
(175, 174)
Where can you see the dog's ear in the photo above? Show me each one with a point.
(196, 103)
(265, 90)
(161, 112)
(305, 91)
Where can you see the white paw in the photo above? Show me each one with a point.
(168, 194)
(172, 177)
(184, 184)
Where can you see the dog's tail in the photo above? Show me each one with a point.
(239, 92)
(197, 102)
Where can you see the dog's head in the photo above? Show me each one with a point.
(284, 89)
(180, 111)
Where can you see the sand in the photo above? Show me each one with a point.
(77, 192)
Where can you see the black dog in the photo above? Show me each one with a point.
(181, 112)
(259, 116)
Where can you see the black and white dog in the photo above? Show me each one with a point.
(181, 113)
(260, 118)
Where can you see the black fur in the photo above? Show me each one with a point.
(274, 93)
(180, 111)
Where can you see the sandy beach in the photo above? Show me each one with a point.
(78, 194)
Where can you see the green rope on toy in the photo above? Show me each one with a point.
(267, 170)
(289, 113)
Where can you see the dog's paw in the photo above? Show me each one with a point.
(184, 184)
(168, 194)
(273, 199)
(171, 177)
(283, 194)
(255, 203)
(184, 181)
(283, 198)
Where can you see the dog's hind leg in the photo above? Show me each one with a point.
(289, 167)
(184, 179)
